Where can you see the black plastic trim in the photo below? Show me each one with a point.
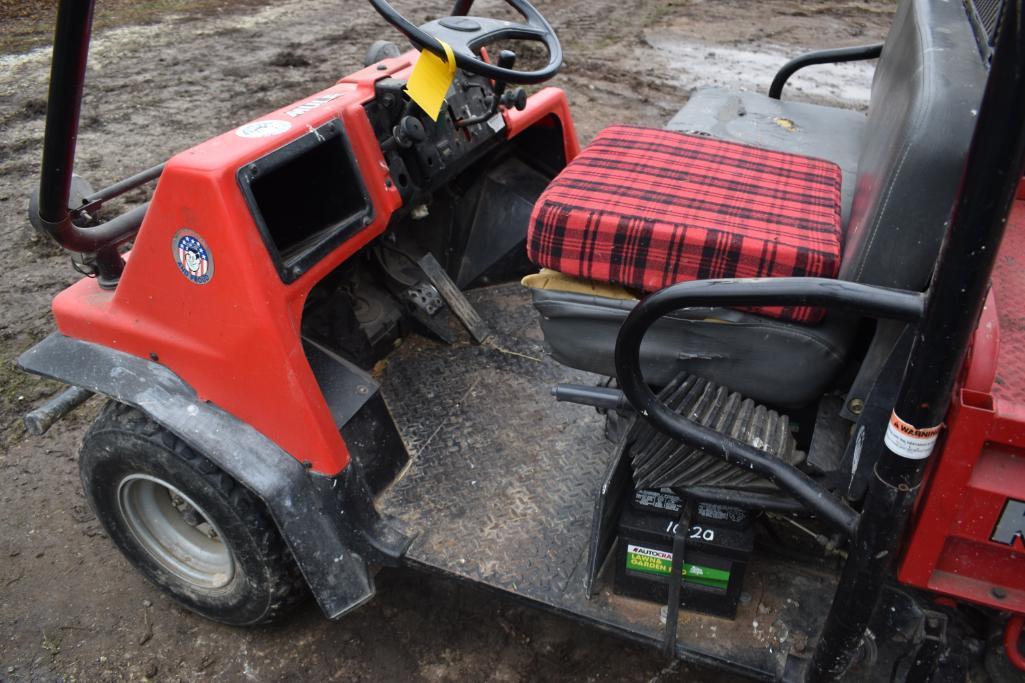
(329, 523)
(292, 268)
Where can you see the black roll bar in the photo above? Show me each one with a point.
(63, 107)
(835, 56)
(67, 77)
(960, 283)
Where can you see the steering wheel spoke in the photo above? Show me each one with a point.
(467, 34)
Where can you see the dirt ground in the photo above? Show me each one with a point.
(70, 606)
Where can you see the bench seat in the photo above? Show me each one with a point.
(796, 127)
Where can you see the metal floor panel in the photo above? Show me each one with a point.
(502, 483)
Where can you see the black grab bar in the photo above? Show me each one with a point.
(839, 294)
(835, 56)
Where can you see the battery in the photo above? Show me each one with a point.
(718, 547)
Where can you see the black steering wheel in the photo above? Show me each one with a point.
(466, 34)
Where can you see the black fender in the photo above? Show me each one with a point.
(329, 523)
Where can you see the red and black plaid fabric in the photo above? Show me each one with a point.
(646, 208)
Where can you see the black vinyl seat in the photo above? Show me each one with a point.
(797, 127)
(901, 166)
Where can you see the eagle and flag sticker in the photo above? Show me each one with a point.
(192, 256)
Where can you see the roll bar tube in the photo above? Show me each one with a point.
(851, 296)
(960, 284)
(63, 107)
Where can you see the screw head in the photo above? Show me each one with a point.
(856, 405)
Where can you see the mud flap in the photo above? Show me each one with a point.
(328, 546)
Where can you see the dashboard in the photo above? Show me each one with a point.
(423, 154)
(308, 196)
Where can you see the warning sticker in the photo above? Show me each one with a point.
(652, 561)
(909, 441)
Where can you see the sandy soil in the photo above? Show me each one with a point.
(70, 606)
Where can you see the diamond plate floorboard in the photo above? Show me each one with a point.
(502, 482)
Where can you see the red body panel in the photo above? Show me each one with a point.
(236, 339)
(982, 462)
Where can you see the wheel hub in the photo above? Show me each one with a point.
(175, 531)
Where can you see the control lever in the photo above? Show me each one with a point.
(514, 99)
(506, 59)
(409, 132)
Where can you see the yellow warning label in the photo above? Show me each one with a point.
(430, 80)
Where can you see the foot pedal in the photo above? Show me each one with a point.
(458, 303)
(660, 461)
(422, 302)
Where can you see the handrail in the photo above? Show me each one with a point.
(835, 56)
(839, 294)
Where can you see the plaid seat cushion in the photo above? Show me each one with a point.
(647, 208)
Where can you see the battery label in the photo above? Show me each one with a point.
(652, 561)
(658, 499)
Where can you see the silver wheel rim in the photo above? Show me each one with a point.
(175, 531)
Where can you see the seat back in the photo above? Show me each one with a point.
(925, 96)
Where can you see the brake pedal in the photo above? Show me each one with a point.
(458, 303)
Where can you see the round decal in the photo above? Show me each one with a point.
(263, 129)
(192, 256)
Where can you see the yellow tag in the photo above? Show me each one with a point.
(430, 80)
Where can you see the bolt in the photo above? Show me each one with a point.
(856, 405)
(998, 592)
(362, 389)
(154, 357)
(382, 67)
(191, 517)
(307, 464)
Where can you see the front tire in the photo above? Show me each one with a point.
(190, 528)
